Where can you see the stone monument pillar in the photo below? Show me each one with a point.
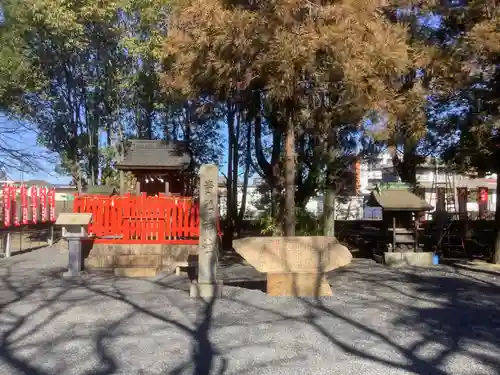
(207, 286)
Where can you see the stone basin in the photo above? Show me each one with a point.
(295, 266)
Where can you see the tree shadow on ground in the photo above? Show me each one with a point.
(41, 314)
(421, 322)
(456, 314)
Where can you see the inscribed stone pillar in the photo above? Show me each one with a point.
(207, 286)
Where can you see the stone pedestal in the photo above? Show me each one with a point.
(75, 264)
(423, 259)
(295, 266)
(207, 286)
(297, 284)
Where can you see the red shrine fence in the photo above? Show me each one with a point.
(132, 219)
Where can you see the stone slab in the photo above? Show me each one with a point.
(102, 262)
(398, 259)
(165, 256)
(136, 272)
(297, 285)
(317, 254)
(173, 251)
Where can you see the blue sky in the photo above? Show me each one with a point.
(24, 139)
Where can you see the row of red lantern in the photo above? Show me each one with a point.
(40, 196)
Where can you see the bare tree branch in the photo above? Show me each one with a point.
(15, 154)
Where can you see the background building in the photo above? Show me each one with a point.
(368, 175)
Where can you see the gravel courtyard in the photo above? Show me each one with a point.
(439, 320)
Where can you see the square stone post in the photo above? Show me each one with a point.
(208, 286)
(75, 264)
(74, 230)
(6, 245)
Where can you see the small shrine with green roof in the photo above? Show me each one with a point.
(400, 208)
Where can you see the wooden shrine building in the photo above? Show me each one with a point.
(159, 166)
(400, 209)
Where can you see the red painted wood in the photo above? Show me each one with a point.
(141, 219)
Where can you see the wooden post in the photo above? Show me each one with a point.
(138, 188)
(334, 213)
(463, 194)
(122, 182)
(51, 235)
(394, 233)
(441, 200)
(482, 202)
(418, 215)
(6, 245)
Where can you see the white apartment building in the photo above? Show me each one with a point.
(372, 173)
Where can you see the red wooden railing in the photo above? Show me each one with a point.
(132, 219)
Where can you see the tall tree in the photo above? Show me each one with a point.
(286, 51)
(66, 61)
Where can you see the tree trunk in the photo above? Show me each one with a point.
(289, 222)
(329, 212)
(330, 188)
(246, 176)
(121, 156)
(274, 202)
(229, 228)
(496, 248)
(270, 171)
(329, 203)
(236, 137)
(77, 176)
(406, 168)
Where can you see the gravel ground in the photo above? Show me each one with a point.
(439, 320)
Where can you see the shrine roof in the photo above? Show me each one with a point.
(101, 190)
(398, 199)
(155, 154)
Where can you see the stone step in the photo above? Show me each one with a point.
(136, 271)
(125, 261)
(138, 261)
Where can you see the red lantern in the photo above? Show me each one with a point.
(6, 205)
(34, 204)
(24, 204)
